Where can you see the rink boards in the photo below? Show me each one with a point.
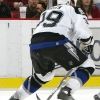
(94, 81)
(16, 64)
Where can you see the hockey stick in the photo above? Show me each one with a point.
(57, 86)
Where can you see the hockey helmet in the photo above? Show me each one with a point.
(63, 2)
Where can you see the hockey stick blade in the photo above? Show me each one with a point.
(38, 98)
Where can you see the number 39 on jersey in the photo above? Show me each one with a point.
(51, 19)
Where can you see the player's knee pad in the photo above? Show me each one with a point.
(49, 76)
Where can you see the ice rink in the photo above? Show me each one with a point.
(82, 94)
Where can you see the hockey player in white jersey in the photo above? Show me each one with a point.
(51, 43)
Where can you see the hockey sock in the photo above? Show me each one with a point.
(79, 78)
(30, 85)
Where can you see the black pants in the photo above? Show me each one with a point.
(67, 55)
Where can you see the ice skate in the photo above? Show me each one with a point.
(97, 96)
(15, 96)
(64, 94)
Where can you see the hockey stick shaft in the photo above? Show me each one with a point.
(60, 84)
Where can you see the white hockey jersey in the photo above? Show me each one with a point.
(65, 20)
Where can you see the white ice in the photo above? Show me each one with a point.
(82, 94)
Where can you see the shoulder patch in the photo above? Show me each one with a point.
(79, 10)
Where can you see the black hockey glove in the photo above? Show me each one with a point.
(86, 45)
(88, 50)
